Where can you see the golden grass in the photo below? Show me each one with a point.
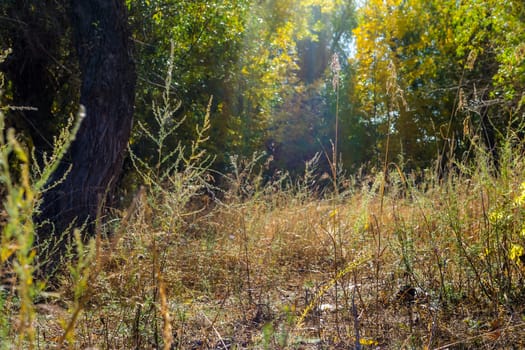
(259, 273)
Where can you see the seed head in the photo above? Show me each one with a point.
(335, 67)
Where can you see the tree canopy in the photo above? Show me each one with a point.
(426, 69)
(417, 78)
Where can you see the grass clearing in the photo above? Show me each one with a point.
(432, 270)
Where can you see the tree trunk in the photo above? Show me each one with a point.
(102, 42)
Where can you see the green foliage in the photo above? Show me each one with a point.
(17, 239)
(264, 63)
(419, 73)
(18, 250)
(207, 38)
(175, 175)
(427, 68)
(17, 247)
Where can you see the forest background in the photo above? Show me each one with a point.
(424, 73)
(265, 87)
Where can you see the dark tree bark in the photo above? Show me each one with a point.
(102, 42)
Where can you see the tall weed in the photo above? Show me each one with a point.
(23, 183)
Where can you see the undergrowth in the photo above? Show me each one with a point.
(390, 261)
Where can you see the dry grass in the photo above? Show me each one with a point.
(259, 273)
